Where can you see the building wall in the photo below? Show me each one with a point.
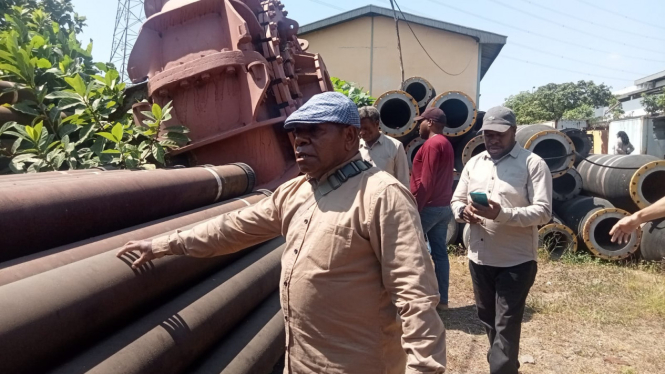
(364, 51)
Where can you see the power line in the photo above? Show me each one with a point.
(586, 20)
(329, 5)
(563, 69)
(573, 59)
(541, 35)
(641, 22)
(572, 28)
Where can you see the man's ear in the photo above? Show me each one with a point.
(351, 135)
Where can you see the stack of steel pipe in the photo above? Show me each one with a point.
(557, 238)
(460, 111)
(652, 247)
(553, 146)
(420, 89)
(581, 143)
(36, 216)
(567, 187)
(412, 148)
(398, 111)
(591, 219)
(630, 182)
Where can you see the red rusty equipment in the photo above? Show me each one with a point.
(234, 71)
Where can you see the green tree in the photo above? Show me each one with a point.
(654, 104)
(352, 91)
(560, 101)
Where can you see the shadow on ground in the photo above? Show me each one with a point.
(465, 319)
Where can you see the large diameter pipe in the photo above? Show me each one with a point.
(460, 111)
(53, 314)
(652, 247)
(474, 147)
(630, 182)
(466, 235)
(453, 232)
(581, 142)
(173, 337)
(591, 219)
(27, 266)
(253, 347)
(420, 89)
(51, 175)
(398, 111)
(567, 187)
(555, 148)
(412, 149)
(47, 215)
(557, 239)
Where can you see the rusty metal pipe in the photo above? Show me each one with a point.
(420, 89)
(14, 179)
(581, 142)
(552, 145)
(557, 239)
(474, 147)
(253, 347)
(27, 266)
(460, 110)
(653, 237)
(173, 337)
(398, 112)
(48, 317)
(568, 186)
(60, 212)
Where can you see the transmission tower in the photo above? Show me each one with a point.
(128, 21)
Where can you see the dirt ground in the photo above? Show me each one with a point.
(583, 316)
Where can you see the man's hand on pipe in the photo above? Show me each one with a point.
(144, 247)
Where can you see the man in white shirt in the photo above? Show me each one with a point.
(384, 152)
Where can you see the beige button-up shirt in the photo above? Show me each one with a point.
(522, 184)
(355, 260)
(388, 155)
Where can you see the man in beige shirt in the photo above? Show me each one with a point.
(504, 234)
(382, 151)
(357, 287)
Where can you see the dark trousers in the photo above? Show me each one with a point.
(500, 299)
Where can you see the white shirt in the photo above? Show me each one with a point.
(388, 155)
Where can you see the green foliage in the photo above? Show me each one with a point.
(654, 104)
(71, 101)
(353, 92)
(560, 101)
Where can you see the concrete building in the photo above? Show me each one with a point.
(361, 46)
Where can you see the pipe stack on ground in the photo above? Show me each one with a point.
(460, 112)
(567, 187)
(174, 336)
(581, 142)
(652, 247)
(36, 216)
(398, 111)
(421, 90)
(412, 148)
(557, 238)
(630, 182)
(591, 219)
(553, 146)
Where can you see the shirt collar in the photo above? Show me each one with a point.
(325, 176)
(514, 153)
(380, 140)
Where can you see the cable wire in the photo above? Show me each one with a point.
(563, 69)
(640, 21)
(328, 5)
(541, 35)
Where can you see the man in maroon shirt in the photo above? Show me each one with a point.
(432, 185)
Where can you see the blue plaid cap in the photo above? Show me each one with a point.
(326, 107)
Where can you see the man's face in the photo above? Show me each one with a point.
(320, 147)
(498, 144)
(424, 129)
(369, 130)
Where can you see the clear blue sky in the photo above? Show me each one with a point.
(604, 40)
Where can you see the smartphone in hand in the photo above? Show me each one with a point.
(480, 198)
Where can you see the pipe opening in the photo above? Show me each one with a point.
(456, 112)
(415, 151)
(395, 113)
(556, 243)
(579, 144)
(553, 152)
(602, 236)
(564, 184)
(652, 186)
(417, 90)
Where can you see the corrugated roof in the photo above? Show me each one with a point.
(491, 43)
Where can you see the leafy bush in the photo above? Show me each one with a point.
(72, 116)
(353, 92)
(654, 103)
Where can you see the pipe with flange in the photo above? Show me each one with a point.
(474, 147)
(50, 316)
(420, 89)
(27, 266)
(412, 149)
(567, 187)
(557, 239)
(466, 235)
(630, 182)
(174, 336)
(63, 211)
(452, 233)
(591, 219)
(460, 111)
(397, 113)
(553, 146)
(652, 246)
(253, 347)
(581, 142)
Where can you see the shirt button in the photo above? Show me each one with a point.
(286, 318)
(286, 283)
(295, 251)
(306, 221)
(482, 240)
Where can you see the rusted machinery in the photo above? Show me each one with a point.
(27, 266)
(36, 216)
(398, 111)
(174, 336)
(591, 219)
(234, 71)
(652, 247)
(630, 182)
(567, 186)
(552, 145)
(420, 89)
(460, 110)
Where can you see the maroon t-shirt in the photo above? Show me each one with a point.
(432, 173)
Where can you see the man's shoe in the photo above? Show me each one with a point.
(442, 307)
